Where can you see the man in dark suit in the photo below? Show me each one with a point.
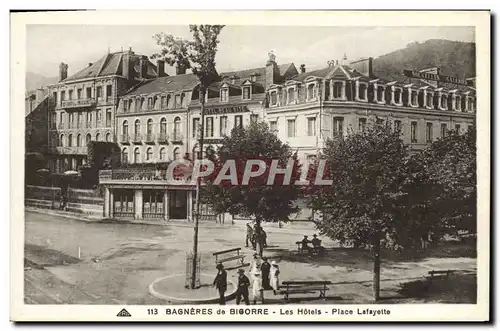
(220, 283)
(265, 269)
(243, 284)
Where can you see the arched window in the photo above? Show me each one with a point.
(70, 140)
(196, 150)
(137, 104)
(163, 154)
(163, 125)
(88, 138)
(137, 127)
(137, 155)
(78, 140)
(130, 104)
(149, 154)
(183, 96)
(155, 101)
(98, 137)
(125, 127)
(125, 155)
(143, 103)
(310, 91)
(177, 153)
(177, 128)
(163, 102)
(169, 101)
(108, 137)
(150, 126)
(61, 140)
(444, 101)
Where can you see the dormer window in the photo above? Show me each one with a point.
(397, 96)
(247, 92)
(274, 98)
(414, 99)
(362, 92)
(380, 93)
(457, 103)
(444, 102)
(224, 95)
(290, 95)
(429, 98)
(311, 92)
(338, 88)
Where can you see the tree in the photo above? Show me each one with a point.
(199, 56)
(270, 203)
(368, 171)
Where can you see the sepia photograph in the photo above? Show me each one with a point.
(308, 170)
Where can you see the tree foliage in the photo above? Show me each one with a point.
(271, 203)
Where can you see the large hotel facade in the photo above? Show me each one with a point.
(154, 117)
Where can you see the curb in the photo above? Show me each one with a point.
(172, 299)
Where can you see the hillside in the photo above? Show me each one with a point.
(455, 59)
(34, 81)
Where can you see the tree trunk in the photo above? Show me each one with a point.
(376, 270)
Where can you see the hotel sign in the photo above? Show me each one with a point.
(226, 110)
(435, 77)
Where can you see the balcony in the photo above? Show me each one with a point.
(137, 138)
(163, 138)
(138, 176)
(177, 138)
(150, 138)
(60, 126)
(125, 139)
(79, 103)
(73, 150)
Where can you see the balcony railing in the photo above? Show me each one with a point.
(137, 174)
(150, 138)
(71, 150)
(137, 138)
(163, 137)
(177, 137)
(125, 138)
(78, 103)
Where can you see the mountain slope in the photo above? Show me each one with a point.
(34, 81)
(454, 57)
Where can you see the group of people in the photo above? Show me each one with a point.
(316, 245)
(256, 236)
(263, 275)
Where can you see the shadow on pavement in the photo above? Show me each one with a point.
(43, 256)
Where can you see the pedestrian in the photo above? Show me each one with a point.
(259, 238)
(243, 284)
(265, 269)
(220, 283)
(249, 235)
(275, 281)
(254, 265)
(264, 238)
(257, 289)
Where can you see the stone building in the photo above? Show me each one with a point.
(82, 106)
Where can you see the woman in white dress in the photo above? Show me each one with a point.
(257, 290)
(254, 266)
(275, 280)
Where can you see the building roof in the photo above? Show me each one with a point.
(110, 64)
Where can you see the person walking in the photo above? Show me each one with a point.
(254, 265)
(220, 283)
(243, 284)
(275, 281)
(265, 269)
(249, 236)
(257, 290)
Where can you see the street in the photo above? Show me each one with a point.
(90, 263)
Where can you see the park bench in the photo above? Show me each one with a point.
(306, 286)
(229, 255)
(299, 248)
(444, 273)
(312, 250)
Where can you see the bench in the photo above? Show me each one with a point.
(434, 273)
(306, 286)
(312, 250)
(229, 255)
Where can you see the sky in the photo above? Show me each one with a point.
(240, 47)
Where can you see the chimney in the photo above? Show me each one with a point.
(180, 70)
(143, 65)
(363, 66)
(344, 60)
(337, 62)
(63, 71)
(160, 67)
(302, 68)
(272, 70)
(128, 65)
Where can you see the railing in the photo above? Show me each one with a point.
(124, 138)
(177, 137)
(78, 103)
(137, 174)
(163, 137)
(137, 138)
(150, 137)
(71, 150)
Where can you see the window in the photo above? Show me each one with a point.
(274, 98)
(163, 126)
(63, 96)
(224, 93)
(70, 140)
(290, 96)
(137, 127)
(414, 98)
(397, 96)
(397, 125)
(362, 125)
(125, 128)
(80, 118)
(98, 137)
(444, 101)
(149, 154)
(88, 138)
(54, 97)
(380, 93)
(149, 127)
(177, 101)
(183, 97)
(79, 140)
(223, 126)
(108, 137)
(311, 91)
(61, 140)
(130, 104)
(89, 119)
(125, 155)
(428, 133)
(338, 126)
(108, 117)
(89, 92)
(457, 103)
(70, 95)
(163, 102)
(273, 126)
(177, 128)
(254, 118)
(177, 154)
(444, 129)
(109, 91)
(99, 92)
(429, 100)
(311, 126)
(457, 128)
(362, 92)
(169, 101)
(209, 131)
(337, 90)
(137, 155)
(150, 103)
(196, 127)
(238, 121)
(79, 93)
(290, 128)
(163, 154)
(246, 92)
(413, 133)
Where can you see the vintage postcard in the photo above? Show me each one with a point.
(250, 166)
